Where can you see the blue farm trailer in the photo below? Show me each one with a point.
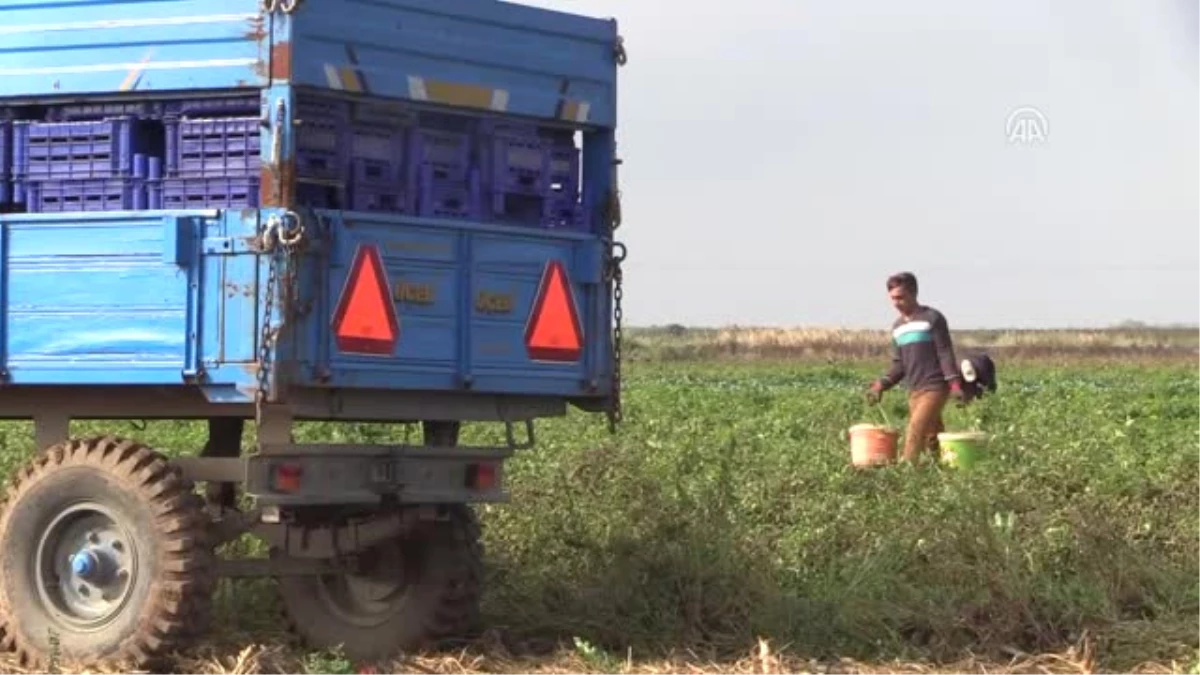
(275, 211)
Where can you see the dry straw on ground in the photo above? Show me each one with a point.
(762, 659)
(677, 342)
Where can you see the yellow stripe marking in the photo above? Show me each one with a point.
(455, 93)
(351, 80)
(576, 111)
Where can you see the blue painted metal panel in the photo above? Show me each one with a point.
(72, 47)
(155, 298)
(496, 56)
(446, 341)
(118, 298)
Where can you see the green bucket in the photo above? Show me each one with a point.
(963, 449)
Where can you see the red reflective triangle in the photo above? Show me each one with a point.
(365, 321)
(553, 332)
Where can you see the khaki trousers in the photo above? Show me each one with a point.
(924, 422)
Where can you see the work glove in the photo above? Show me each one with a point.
(875, 392)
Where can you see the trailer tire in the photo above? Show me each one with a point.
(104, 557)
(436, 597)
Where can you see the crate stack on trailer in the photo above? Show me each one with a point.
(6, 194)
(443, 168)
(212, 155)
(364, 155)
(105, 164)
(531, 174)
(377, 177)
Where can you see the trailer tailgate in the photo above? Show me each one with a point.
(459, 307)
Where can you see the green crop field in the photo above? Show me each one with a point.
(725, 512)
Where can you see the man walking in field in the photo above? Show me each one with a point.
(923, 356)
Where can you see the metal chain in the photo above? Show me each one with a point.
(276, 236)
(617, 414)
(615, 256)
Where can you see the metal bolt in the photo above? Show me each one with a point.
(83, 590)
(93, 538)
(118, 546)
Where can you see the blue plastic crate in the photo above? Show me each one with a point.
(380, 198)
(214, 148)
(563, 213)
(377, 185)
(89, 194)
(6, 149)
(386, 114)
(517, 165)
(240, 192)
(6, 160)
(77, 150)
(564, 171)
(239, 106)
(500, 128)
(446, 154)
(320, 195)
(449, 198)
(210, 107)
(381, 144)
(375, 172)
(556, 212)
(310, 107)
(99, 111)
(321, 148)
(521, 158)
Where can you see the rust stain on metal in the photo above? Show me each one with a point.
(278, 186)
(281, 61)
(233, 289)
(257, 30)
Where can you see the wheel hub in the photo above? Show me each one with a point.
(86, 566)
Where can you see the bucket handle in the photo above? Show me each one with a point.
(887, 422)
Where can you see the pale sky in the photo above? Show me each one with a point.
(782, 157)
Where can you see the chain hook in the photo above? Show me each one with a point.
(291, 236)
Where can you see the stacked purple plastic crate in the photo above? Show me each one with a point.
(94, 165)
(530, 176)
(378, 181)
(441, 170)
(321, 127)
(212, 155)
(215, 162)
(207, 153)
(5, 165)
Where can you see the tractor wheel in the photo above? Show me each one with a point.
(103, 557)
(408, 594)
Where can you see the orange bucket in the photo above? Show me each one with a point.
(872, 444)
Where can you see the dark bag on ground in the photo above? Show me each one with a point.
(978, 374)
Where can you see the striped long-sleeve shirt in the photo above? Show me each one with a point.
(922, 353)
